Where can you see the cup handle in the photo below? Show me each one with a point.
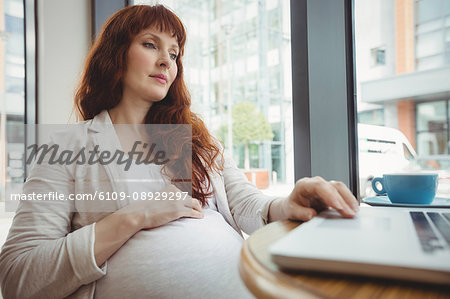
(374, 186)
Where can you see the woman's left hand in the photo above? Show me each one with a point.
(312, 195)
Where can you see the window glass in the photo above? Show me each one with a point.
(429, 9)
(407, 152)
(430, 62)
(12, 102)
(403, 111)
(237, 66)
(433, 143)
(430, 25)
(430, 44)
(378, 56)
(432, 116)
(371, 117)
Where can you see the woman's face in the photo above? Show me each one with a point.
(151, 66)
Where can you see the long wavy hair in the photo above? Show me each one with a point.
(101, 88)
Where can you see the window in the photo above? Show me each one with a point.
(371, 117)
(431, 27)
(412, 104)
(407, 152)
(242, 51)
(432, 128)
(12, 89)
(378, 56)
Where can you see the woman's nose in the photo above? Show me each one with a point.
(164, 61)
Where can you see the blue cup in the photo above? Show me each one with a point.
(411, 188)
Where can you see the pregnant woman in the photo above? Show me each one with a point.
(132, 248)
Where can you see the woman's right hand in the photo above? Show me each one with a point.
(154, 213)
(115, 229)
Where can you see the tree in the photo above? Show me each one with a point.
(249, 124)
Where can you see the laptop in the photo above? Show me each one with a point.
(400, 243)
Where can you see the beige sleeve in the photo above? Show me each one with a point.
(42, 257)
(248, 205)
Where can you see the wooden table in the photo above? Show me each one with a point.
(264, 280)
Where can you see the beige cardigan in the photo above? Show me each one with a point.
(51, 255)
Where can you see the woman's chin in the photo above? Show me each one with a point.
(157, 99)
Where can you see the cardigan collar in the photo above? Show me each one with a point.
(101, 122)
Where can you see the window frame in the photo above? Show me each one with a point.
(31, 80)
(102, 10)
(30, 35)
(324, 148)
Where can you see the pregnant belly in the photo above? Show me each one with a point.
(188, 258)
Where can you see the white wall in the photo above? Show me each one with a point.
(64, 29)
(374, 27)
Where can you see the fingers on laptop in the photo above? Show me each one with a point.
(333, 194)
(346, 194)
(303, 213)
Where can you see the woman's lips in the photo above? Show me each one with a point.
(160, 80)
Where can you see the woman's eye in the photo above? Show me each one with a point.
(149, 45)
(173, 56)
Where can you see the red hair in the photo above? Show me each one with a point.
(101, 89)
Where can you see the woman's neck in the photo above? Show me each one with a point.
(128, 113)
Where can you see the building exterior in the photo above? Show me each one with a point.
(403, 69)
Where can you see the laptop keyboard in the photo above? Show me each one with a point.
(446, 215)
(442, 225)
(427, 237)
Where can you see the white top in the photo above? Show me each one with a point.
(146, 178)
(148, 264)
